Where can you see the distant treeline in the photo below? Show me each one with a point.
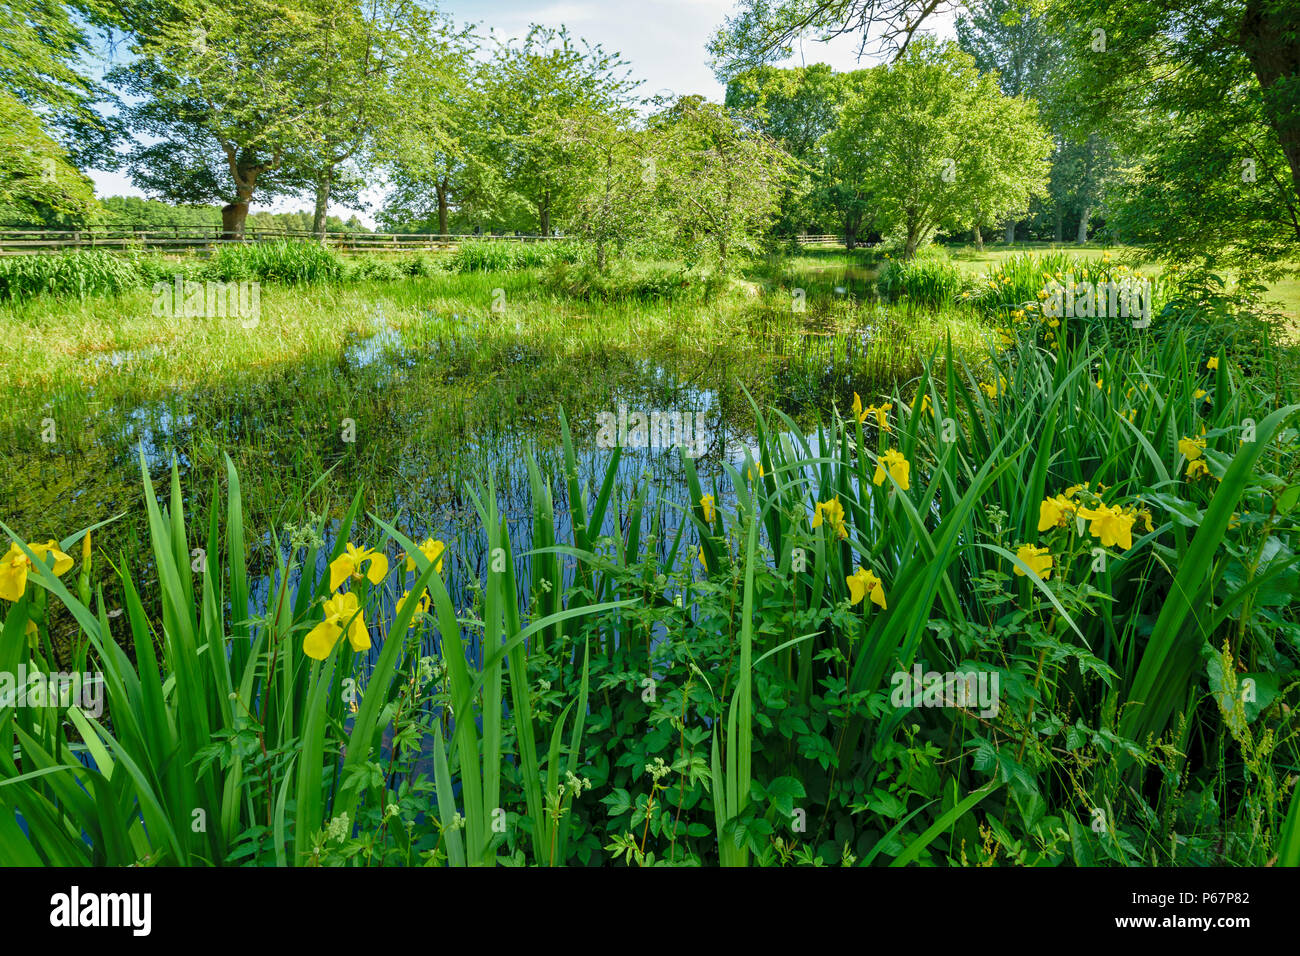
(154, 214)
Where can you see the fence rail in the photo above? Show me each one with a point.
(204, 239)
(207, 238)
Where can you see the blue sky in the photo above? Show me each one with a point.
(663, 41)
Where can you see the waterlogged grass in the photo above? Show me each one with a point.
(405, 388)
(119, 345)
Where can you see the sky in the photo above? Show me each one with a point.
(663, 41)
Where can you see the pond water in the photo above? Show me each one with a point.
(412, 421)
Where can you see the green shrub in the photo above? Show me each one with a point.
(79, 273)
(420, 265)
(379, 269)
(501, 255)
(929, 280)
(279, 261)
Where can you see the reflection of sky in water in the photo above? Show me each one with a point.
(418, 503)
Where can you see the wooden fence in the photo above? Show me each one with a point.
(204, 239)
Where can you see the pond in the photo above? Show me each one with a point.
(413, 419)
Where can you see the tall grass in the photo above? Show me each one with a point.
(499, 255)
(286, 261)
(930, 280)
(80, 273)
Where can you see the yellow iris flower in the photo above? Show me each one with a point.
(342, 616)
(348, 565)
(833, 512)
(1191, 448)
(863, 583)
(1055, 512)
(431, 549)
(1145, 515)
(1110, 524)
(897, 466)
(1213, 363)
(422, 605)
(1196, 468)
(15, 565)
(1039, 561)
(879, 411)
(706, 503)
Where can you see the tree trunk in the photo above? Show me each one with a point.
(544, 214)
(913, 240)
(1083, 225)
(1011, 231)
(235, 214)
(850, 234)
(979, 239)
(324, 185)
(232, 220)
(441, 187)
(1270, 37)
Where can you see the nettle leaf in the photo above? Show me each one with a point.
(1077, 736)
(618, 802)
(986, 757)
(783, 792)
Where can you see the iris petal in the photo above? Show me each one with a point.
(341, 568)
(378, 569)
(320, 640)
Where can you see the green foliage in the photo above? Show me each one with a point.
(934, 144)
(929, 280)
(656, 283)
(80, 273)
(771, 730)
(279, 261)
(488, 255)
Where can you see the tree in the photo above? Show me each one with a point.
(764, 31)
(1203, 96)
(797, 107)
(1003, 164)
(221, 88)
(1177, 61)
(719, 180)
(616, 171)
(435, 158)
(38, 182)
(381, 70)
(934, 144)
(49, 123)
(1010, 39)
(528, 90)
